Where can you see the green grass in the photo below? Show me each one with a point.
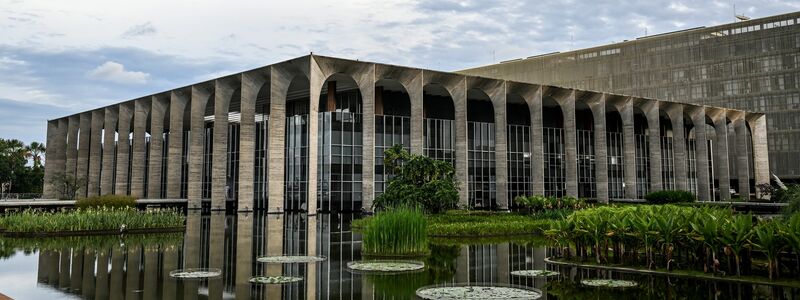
(396, 232)
(90, 219)
(110, 201)
(460, 223)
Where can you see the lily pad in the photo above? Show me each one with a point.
(535, 273)
(386, 266)
(609, 283)
(195, 273)
(290, 259)
(275, 279)
(477, 292)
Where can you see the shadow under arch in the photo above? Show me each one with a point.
(554, 152)
(340, 138)
(481, 140)
(439, 131)
(392, 125)
(518, 137)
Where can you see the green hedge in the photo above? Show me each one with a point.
(665, 197)
(110, 201)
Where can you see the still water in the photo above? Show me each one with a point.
(137, 267)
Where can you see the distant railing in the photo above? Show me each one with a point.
(20, 196)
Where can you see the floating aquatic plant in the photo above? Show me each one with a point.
(386, 266)
(609, 283)
(275, 279)
(535, 273)
(477, 292)
(290, 259)
(195, 273)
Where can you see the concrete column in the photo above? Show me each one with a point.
(758, 128)
(177, 110)
(95, 149)
(629, 145)
(115, 284)
(158, 109)
(101, 286)
(191, 250)
(110, 129)
(570, 143)
(652, 112)
(84, 138)
(279, 82)
(701, 156)
(311, 271)
(132, 273)
(169, 289)
(537, 142)
(123, 148)
(251, 83)
(742, 161)
(679, 147)
(150, 284)
(244, 254)
(216, 252)
(71, 159)
(64, 264)
(498, 97)
(223, 91)
(366, 83)
(598, 108)
(56, 160)
(462, 264)
(416, 95)
(459, 94)
(76, 269)
(722, 169)
(141, 111)
(87, 279)
(199, 99)
(316, 84)
(274, 247)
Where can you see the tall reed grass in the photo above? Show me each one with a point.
(398, 231)
(90, 219)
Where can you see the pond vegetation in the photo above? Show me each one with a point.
(289, 259)
(275, 279)
(34, 221)
(477, 292)
(399, 231)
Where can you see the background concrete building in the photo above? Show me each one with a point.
(752, 65)
(309, 134)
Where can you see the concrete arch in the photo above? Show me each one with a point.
(392, 98)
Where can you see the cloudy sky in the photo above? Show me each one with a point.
(61, 57)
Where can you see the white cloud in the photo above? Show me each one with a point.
(9, 62)
(680, 7)
(140, 30)
(115, 72)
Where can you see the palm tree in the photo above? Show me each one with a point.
(735, 234)
(35, 151)
(768, 238)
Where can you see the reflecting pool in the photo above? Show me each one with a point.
(139, 266)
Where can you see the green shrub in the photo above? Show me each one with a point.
(665, 197)
(418, 181)
(110, 201)
(90, 219)
(539, 203)
(400, 231)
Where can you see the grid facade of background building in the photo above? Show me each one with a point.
(752, 65)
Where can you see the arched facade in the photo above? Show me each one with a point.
(309, 134)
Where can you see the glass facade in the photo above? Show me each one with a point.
(296, 171)
(752, 65)
(691, 165)
(389, 131)
(616, 165)
(481, 169)
(667, 163)
(642, 165)
(440, 139)
(554, 167)
(587, 180)
(261, 186)
(519, 162)
(340, 161)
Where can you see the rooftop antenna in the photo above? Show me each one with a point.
(739, 17)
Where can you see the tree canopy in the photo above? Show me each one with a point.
(418, 181)
(16, 175)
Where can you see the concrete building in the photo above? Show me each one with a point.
(752, 65)
(309, 134)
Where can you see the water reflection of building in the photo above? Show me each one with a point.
(232, 243)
